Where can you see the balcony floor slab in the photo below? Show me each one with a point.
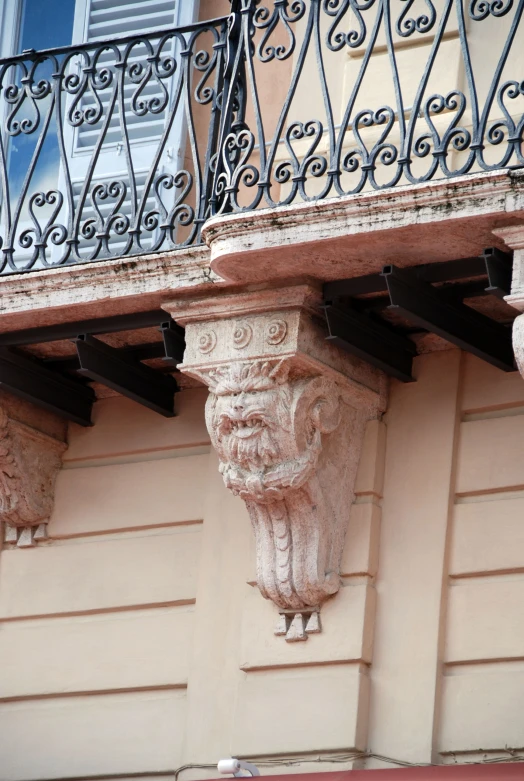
(358, 234)
(101, 289)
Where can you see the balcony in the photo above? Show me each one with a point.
(368, 147)
(126, 147)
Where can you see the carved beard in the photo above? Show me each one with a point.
(247, 442)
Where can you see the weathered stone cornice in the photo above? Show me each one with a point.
(101, 288)
(344, 237)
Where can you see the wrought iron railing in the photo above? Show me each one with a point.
(127, 146)
(106, 148)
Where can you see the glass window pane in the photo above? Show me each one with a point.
(46, 23)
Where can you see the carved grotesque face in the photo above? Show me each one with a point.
(250, 427)
(266, 428)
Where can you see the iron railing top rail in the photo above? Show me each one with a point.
(132, 142)
(111, 39)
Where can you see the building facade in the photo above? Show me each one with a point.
(262, 467)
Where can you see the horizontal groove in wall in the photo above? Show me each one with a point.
(300, 665)
(496, 411)
(457, 578)
(99, 611)
(94, 693)
(459, 667)
(120, 531)
(507, 491)
(490, 496)
(154, 530)
(368, 497)
(137, 456)
(357, 579)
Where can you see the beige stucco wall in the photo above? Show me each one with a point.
(134, 642)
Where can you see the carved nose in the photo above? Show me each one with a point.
(238, 403)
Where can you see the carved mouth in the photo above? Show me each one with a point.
(244, 429)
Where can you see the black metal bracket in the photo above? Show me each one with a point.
(174, 342)
(360, 335)
(30, 380)
(425, 306)
(122, 373)
(100, 325)
(496, 264)
(499, 268)
(139, 352)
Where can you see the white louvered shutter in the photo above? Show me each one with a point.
(111, 19)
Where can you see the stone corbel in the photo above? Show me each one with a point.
(286, 414)
(29, 463)
(513, 237)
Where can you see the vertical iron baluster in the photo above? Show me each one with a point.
(5, 197)
(232, 65)
(282, 172)
(350, 164)
(152, 179)
(482, 122)
(133, 241)
(95, 155)
(28, 82)
(416, 107)
(64, 162)
(204, 207)
(318, 164)
(473, 97)
(384, 150)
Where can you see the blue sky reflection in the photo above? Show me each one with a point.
(43, 25)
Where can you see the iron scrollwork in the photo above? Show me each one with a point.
(106, 148)
(401, 93)
(126, 147)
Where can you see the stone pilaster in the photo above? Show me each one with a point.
(286, 414)
(29, 463)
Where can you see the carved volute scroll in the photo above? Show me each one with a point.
(287, 428)
(29, 463)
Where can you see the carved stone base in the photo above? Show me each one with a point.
(297, 626)
(25, 536)
(286, 414)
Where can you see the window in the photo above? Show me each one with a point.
(45, 24)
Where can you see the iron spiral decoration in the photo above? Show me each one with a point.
(126, 147)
